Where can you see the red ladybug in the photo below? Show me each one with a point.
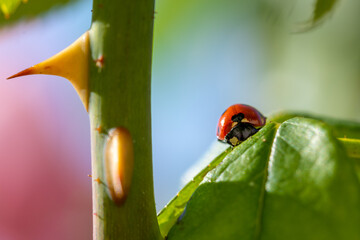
(239, 122)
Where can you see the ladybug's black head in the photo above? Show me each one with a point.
(237, 117)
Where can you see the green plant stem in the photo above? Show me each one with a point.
(120, 81)
(352, 147)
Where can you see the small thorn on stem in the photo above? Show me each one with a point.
(98, 129)
(97, 215)
(100, 62)
(96, 179)
(155, 12)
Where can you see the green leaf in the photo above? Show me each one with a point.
(14, 10)
(168, 215)
(289, 181)
(341, 128)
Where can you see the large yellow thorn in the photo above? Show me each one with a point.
(71, 63)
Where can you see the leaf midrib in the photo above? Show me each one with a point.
(259, 217)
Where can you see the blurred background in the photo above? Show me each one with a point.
(208, 55)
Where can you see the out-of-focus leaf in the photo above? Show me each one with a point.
(322, 8)
(293, 181)
(9, 6)
(14, 10)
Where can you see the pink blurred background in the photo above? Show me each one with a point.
(45, 192)
(44, 188)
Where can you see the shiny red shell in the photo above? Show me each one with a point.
(251, 115)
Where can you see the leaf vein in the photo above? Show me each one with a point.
(262, 194)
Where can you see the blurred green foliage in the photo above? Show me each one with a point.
(14, 10)
(8, 7)
(322, 8)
